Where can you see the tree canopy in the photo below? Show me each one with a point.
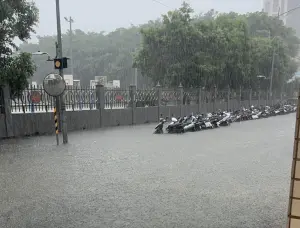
(16, 72)
(204, 50)
(95, 54)
(17, 20)
(217, 49)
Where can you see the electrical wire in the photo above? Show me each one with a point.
(161, 3)
(289, 11)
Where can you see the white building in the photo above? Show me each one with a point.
(116, 83)
(34, 84)
(101, 79)
(290, 19)
(69, 79)
(109, 85)
(93, 83)
(272, 7)
(76, 83)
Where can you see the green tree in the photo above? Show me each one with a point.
(16, 72)
(169, 51)
(217, 49)
(17, 20)
(94, 54)
(204, 50)
(269, 34)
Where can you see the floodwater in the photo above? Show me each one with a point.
(232, 177)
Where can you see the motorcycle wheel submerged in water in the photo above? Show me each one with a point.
(159, 131)
(159, 127)
(225, 123)
(175, 129)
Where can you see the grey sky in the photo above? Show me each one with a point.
(106, 15)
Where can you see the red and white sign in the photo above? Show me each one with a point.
(35, 97)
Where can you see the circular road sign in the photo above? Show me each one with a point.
(35, 97)
(54, 85)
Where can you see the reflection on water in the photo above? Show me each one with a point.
(128, 177)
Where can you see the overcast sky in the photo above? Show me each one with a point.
(107, 15)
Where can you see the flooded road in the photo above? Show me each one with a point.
(235, 177)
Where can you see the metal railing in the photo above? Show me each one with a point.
(145, 98)
(80, 98)
(190, 96)
(116, 98)
(170, 97)
(35, 99)
(32, 99)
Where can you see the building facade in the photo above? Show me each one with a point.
(293, 18)
(273, 7)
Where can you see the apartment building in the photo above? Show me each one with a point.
(272, 7)
(293, 18)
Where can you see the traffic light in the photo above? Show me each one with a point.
(61, 63)
(58, 64)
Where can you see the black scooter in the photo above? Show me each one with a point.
(177, 125)
(159, 129)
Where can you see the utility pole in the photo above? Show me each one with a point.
(70, 21)
(272, 74)
(272, 67)
(135, 77)
(61, 72)
(57, 99)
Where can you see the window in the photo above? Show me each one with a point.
(275, 5)
(267, 7)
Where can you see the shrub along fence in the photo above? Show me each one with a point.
(31, 113)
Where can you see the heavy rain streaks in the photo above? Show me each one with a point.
(128, 177)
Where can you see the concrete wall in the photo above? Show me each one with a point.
(146, 115)
(2, 126)
(43, 123)
(34, 123)
(79, 120)
(117, 117)
(171, 111)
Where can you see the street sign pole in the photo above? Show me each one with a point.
(56, 125)
(54, 85)
(61, 73)
(57, 99)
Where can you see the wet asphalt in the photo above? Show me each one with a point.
(232, 177)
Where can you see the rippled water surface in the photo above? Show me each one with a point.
(235, 177)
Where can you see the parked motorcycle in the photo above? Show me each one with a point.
(204, 122)
(222, 118)
(190, 124)
(225, 121)
(175, 126)
(159, 127)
